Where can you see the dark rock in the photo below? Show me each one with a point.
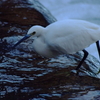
(16, 14)
(25, 75)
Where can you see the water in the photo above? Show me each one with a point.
(76, 9)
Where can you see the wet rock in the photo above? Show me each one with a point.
(44, 11)
(25, 75)
(17, 16)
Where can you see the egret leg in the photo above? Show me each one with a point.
(85, 56)
(98, 48)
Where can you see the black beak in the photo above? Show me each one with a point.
(24, 38)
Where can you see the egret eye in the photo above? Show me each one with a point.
(33, 33)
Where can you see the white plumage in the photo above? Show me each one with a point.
(63, 37)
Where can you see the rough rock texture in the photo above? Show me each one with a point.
(24, 75)
(19, 14)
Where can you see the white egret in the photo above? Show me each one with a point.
(64, 37)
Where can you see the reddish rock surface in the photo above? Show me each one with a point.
(19, 14)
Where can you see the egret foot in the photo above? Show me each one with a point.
(98, 48)
(84, 57)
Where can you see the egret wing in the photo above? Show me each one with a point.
(74, 42)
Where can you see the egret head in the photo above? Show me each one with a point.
(34, 31)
